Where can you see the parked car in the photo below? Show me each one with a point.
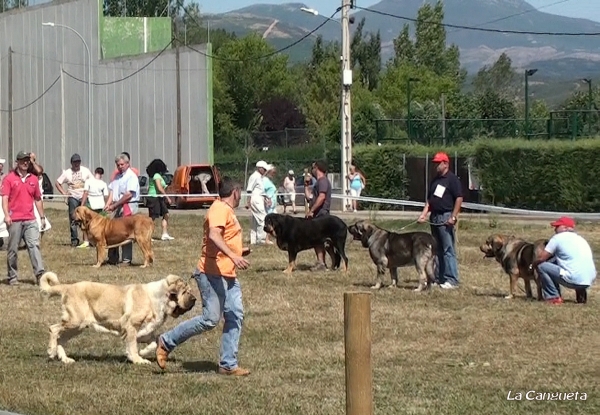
(47, 187)
(186, 182)
(144, 182)
(299, 186)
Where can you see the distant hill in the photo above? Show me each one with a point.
(556, 56)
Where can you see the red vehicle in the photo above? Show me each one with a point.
(194, 179)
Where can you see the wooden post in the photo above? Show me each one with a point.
(11, 156)
(357, 342)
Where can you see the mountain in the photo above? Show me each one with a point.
(562, 55)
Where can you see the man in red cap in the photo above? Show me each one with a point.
(444, 199)
(567, 260)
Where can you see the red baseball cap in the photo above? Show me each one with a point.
(441, 158)
(564, 221)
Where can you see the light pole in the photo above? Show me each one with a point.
(528, 73)
(89, 82)
(345, 109)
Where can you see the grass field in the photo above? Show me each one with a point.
(457, 352)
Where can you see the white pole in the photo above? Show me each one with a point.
(346, 112)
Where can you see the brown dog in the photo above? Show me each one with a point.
(135, 311)
(107, 233)
(516, 256)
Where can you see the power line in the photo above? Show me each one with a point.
(35, 100)
(126, 77)
(480, 29)
(268, 55)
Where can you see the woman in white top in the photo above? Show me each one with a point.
(256, 203)
(95, 192)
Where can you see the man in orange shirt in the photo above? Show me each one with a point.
(222, 252)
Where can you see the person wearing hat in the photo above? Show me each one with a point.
(566, 260)
(289, 186)
(75, 178)
(444, 199)
(257, 203)
(20, 190)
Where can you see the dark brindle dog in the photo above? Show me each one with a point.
(516, 256)
(392, 250)
(299, 234)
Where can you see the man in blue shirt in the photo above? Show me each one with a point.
(567, 260)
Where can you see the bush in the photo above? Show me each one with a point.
(549, 175)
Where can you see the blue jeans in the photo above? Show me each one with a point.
(220, 295)
(552, 280)
(447, 267)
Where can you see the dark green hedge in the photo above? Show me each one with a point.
(529, 174)
(543, 175)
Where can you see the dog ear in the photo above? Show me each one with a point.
(173, 282)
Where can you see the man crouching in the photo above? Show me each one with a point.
(567, 260)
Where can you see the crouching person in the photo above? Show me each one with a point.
(567, 260)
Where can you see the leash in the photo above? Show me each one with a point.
(439, 225)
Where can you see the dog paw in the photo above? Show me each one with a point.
(142, 362)
(376, 287)
(509, 297)
(68, 360)
(96, 266)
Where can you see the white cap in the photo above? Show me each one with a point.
(270, 167)
(291, 172)
(262, 164)
(2, 161)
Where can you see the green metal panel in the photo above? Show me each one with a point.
(128, 36)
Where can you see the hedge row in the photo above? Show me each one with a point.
(544, 175)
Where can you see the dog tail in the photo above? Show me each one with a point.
(50, 285)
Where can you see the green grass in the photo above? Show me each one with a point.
(457, 352)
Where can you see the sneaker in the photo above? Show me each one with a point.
(161, 354)
(85, 244)
(448, 286)
(75, 243)
(581, 294)
(13, 282)
(238, 371)
(166, 237)
(556, 301)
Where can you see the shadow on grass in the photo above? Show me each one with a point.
(201, 366)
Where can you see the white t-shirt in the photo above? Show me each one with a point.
(255, 184)
(574, 256)
(75, 181)
(97, 189)
(289, 184)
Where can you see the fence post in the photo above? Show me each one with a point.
(426, 175)
(357, 345)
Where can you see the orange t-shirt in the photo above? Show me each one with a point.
(212, 260)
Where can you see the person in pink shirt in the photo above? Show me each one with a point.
(20, 190)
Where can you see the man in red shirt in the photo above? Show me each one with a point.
(20, 189)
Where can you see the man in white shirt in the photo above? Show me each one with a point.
(75, 178)
(95, 192)
(123, 199)
(289, 185)
(567, 260)
(256, 203)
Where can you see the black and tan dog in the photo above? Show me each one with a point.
(299, 234)
(516, 256)
(392, 250)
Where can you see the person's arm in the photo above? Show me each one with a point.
(37, 169)
(109, 198)
(161, 189)
(39, 204)
(132, 184)
(59, 183)
(322, 189)
(86, 189)
(457, 191)
(546, 254)
(7, 218)
(216, 225)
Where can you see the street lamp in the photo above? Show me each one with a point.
(528, 73)
(408, 99)
(89, 82)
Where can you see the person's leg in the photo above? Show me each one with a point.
(441, 268)
(15, 234)
(212, 292)
(73, 204)
(164, 211)
(549, 273)
(450, 264)
(580, 290)
(127, 250)
(31, 234)
(257, 205)
(233, 313)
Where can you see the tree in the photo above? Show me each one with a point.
(404, 49)
(500, 78)
(366, 56)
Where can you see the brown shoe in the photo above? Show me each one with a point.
(161, 354)
(238, 371)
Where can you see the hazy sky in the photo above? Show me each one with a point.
(589, 9)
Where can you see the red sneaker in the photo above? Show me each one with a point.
(557, 300)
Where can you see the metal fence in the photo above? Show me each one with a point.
(560, 124)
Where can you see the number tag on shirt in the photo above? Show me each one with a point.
(439, 191)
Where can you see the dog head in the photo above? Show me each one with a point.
(493, 246)
(273, 224)
(362, 231)
(82, 216)
(181, 299)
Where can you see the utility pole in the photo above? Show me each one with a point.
(345, 110)
(177, 87)
(11, 154)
